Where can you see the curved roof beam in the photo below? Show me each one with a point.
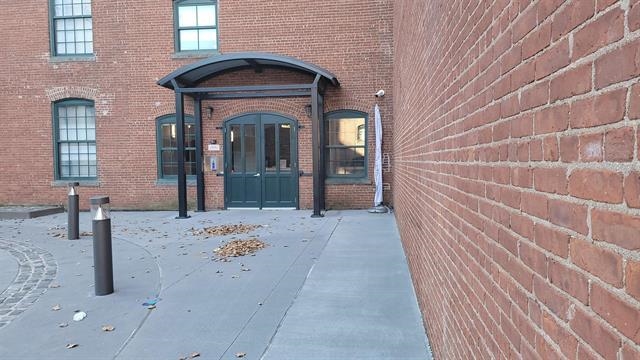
(193, 74)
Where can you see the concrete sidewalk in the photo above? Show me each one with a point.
(330, 288)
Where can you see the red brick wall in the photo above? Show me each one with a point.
(517, 174)
(133, 43)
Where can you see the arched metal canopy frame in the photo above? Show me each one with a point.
(185, 81)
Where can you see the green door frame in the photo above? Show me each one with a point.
(275, 182)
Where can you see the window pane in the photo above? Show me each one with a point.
(187, 16)
(345, 131)
(190, 162)
(169, 135)
(207, 39)
(269, 140)
(59, 25)
(346, 161)
(251, 156)
(236, 149)
(285, 147)
(206, 15)
(188, 39)
(189, 136)
(169, 162)
(86, 7)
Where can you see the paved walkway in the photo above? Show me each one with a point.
(330, 288)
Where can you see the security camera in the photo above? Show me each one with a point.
(380, 93)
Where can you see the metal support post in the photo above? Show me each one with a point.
(102, 256)
(73, 213)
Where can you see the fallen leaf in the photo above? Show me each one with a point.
(108, 328)
(240, 354)
(236, 248)
(71, 346)
(221, 230)
(56, 307)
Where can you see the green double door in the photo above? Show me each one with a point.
(261, 164)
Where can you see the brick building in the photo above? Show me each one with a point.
(512, 125)
(516, 128)
(86, 73)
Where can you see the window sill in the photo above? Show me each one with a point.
(71, 58)
(194, 54)
(347, 181)
(83, 183)
(174, 182)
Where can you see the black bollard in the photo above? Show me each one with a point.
(102, 257)
(73, 210)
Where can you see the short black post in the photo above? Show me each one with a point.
(73, 211)
(102, 257)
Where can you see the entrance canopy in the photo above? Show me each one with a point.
(186, 81)
(196, 73)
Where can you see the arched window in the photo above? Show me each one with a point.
(74, 132)
(168, 147)
(346, 145)
(195, 25)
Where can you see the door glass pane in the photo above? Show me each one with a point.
(285, 147)
(250, 153)
(270, 148)
(236, 149)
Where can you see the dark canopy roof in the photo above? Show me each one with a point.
(193, 74)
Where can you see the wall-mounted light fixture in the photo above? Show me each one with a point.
(307, 110)
(209, 112)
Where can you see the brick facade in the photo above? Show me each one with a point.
(516, 172)
(134, 47)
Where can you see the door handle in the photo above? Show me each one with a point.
(256, 175)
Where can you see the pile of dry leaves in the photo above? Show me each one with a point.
(240, 248)
(221, 230)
